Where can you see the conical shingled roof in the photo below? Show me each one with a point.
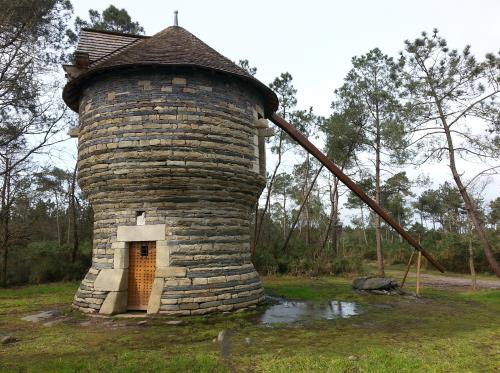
(173, 46)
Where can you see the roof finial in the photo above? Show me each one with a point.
(176, 21)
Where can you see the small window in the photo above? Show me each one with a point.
(144, 250)
(140, 217)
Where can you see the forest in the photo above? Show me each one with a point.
(430, 104)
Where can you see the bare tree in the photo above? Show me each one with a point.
(32, 45)
(73, 202)
(286, 93)
(13, 183)
(344, 140)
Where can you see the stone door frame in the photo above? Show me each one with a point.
(115, 280)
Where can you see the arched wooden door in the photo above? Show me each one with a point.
(142, 265)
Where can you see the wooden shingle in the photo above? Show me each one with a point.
(98, 44)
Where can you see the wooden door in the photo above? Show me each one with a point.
(141, 273)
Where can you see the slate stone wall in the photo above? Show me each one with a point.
(183, 147)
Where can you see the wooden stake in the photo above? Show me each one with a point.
(407, 269)
(419, 261)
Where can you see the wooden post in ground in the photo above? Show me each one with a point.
(407, 269)
(419, 261)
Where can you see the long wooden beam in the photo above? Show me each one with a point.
(314, 151)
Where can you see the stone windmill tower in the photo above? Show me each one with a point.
(171, 156)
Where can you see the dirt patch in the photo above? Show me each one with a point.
(450, 282)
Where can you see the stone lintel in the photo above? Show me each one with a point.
(134, 233)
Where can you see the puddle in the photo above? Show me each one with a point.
(302, 311)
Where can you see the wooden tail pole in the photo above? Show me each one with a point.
(314, 151)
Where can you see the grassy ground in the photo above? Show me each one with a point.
(397, 269)
(445, 331)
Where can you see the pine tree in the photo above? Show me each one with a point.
(448, 91)
(373, 86)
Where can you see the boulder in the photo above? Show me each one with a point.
(8, 339)
(173, 322)
(43, 316)
(374, 283)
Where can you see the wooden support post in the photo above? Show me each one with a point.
(407, 269)
(419, 261)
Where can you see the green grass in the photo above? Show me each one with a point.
(445, 331)
(316, 288)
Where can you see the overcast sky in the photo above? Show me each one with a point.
(315, 40)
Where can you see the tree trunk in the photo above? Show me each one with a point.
(256, 219)
(304, 202)
(74, 252)
(471, 261)
(258, 226)
(378, 233)
(363, 227)
(335, 232)
(333, 211)
(422, 224)
(285, 246)
(284, 214)
(68, 230)
(308, 227)
(399, 221)
(469, 204)
(328, 228)
(4, 221)
(57, 223)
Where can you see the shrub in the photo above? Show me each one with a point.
(347, 265)
(265, 262)
(44, 262)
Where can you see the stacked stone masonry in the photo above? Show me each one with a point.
(183, 147)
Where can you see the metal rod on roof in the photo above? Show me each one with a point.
(176, 21)
(314, 151)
